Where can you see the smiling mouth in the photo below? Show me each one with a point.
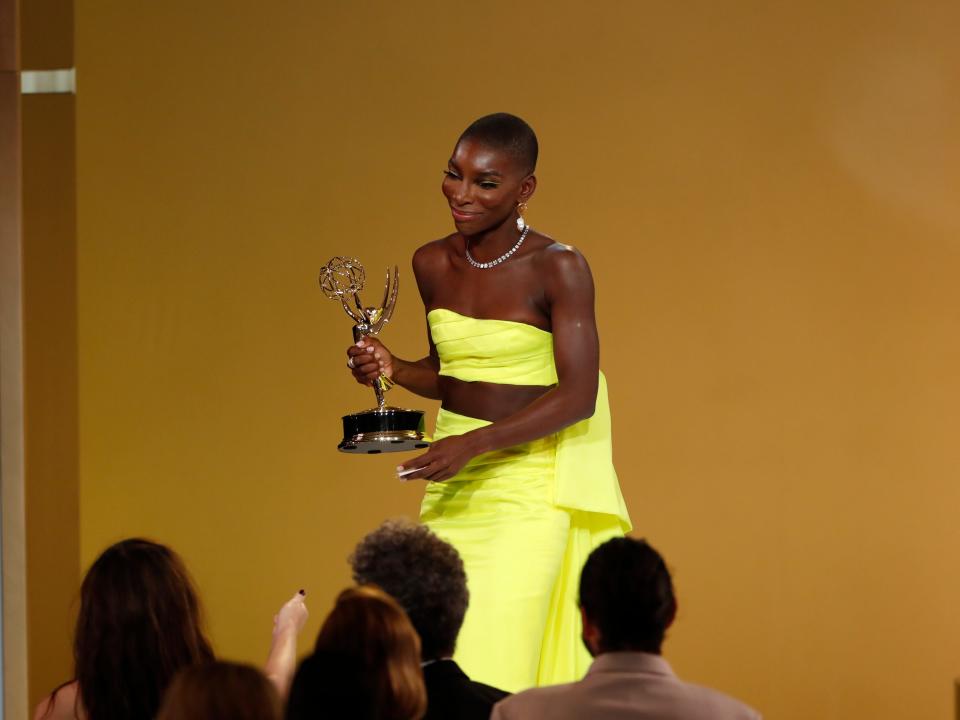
(467, 213)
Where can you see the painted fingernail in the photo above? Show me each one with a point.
(302, 592)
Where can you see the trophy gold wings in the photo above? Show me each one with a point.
(384, 428)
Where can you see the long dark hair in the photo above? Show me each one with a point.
(139, 623)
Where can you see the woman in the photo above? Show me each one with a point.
(520, 470)
(220, 691)
(366, 665)
(139, 624)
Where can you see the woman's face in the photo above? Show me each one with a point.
(483, 186)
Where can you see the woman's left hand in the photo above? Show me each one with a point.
(442, 461)
(291, 616)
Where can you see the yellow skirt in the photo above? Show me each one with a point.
(523, 556)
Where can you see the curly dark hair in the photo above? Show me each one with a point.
(423, 573)
(626, 591)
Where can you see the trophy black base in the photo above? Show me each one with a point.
(383, 430)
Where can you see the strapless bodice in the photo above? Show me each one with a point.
(497, 351)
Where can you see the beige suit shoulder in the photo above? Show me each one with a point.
(661, 698)
(719, 705)
(531, 703)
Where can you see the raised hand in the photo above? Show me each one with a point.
(282, 660)
(292, 615)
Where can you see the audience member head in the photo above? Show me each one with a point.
(423, 573)
(626, 598)
(503, 131)
(366, 663)
(220, 691)
(331, 685)
(139, 623)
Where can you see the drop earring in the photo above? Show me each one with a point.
(521, 209)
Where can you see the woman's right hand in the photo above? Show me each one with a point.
(368, 360)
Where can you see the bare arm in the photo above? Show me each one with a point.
(420, 377)
(576, 350)
(282, 660)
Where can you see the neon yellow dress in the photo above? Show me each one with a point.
(524, 518)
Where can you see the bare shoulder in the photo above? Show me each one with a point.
(61, 704)
(430, 263)
(563, 269)
(561, 257)
(435, 253)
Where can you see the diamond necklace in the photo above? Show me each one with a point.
(497, 261)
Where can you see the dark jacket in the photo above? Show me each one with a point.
(451, 695)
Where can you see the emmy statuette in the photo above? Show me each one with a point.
(384, 428)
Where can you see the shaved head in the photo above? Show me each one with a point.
(503, 131)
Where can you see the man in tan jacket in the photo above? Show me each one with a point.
(627, 604)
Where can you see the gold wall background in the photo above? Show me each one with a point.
(767, 194)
